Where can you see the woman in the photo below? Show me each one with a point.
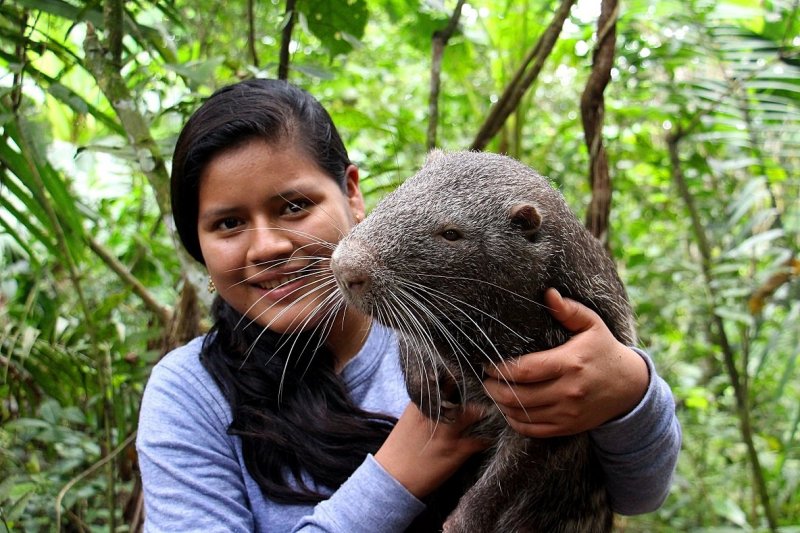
(291, 414)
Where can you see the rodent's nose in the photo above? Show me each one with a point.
(356, 283)
(353, 280)
(351, 274)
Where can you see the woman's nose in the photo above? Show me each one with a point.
(268, 243)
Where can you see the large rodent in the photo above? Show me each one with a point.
(457, 260)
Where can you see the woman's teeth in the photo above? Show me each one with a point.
(269, 285)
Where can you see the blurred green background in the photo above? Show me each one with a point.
(702, 133)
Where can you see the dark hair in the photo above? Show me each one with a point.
(272, 110)
(300, 421)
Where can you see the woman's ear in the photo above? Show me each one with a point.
(354, 196)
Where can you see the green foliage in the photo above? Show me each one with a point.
(338, 25)
(77, 339)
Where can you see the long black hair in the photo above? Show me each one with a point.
(301, 421)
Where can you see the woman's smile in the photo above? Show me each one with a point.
(285, 286)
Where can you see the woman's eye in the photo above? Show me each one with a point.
(451, 234)
(295, 207)
(228, 223)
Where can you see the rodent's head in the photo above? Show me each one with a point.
(271, 110)
(466, 228)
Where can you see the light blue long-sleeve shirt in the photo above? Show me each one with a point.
(195, 478)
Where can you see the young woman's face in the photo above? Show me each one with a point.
(266, 214)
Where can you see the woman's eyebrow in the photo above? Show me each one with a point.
(216, 213)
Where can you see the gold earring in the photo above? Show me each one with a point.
(358, 219)
(211, 287)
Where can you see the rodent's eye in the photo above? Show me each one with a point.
(451, 234)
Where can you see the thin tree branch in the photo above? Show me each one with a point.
(286, 39)
(251, 31)
(113, 17)
(110, 81)
(440, 40)
(137, 131)
(22, 58)
(89, 471)
(163, 313)
(523, 78)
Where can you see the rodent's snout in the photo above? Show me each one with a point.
(349, 266)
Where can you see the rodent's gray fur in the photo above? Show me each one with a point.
(460, 304)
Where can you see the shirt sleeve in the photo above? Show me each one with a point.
(370, 500)
(639, 451)
(190, 473)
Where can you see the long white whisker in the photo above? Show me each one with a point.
(449, 299)
(280, 314)
(494, 285)
(279, 261)
(461, 350)
(258, 301)
(314, 286)
(311, 268)
(413, 325)
(324, 325)
(315, 239)
(299, 327)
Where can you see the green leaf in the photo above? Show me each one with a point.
(339, 24)
(754, 243)
(313, 71)
(18, 506)
(734, 315)
(200, 72)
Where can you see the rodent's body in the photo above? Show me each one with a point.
(457, 260)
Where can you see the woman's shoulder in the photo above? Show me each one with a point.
(180, 378)
(185, 358)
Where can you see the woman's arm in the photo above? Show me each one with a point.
(416, 458)
(193, 476)
(639, 451)
(595, 383)
(190, 473)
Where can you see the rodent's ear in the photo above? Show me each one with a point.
(527, 219)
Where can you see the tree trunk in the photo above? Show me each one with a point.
(440, 39)
(592, 113)
(286, 40)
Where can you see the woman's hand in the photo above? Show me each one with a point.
(422, 454)
(575, 387)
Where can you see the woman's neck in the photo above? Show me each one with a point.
(347, 336)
